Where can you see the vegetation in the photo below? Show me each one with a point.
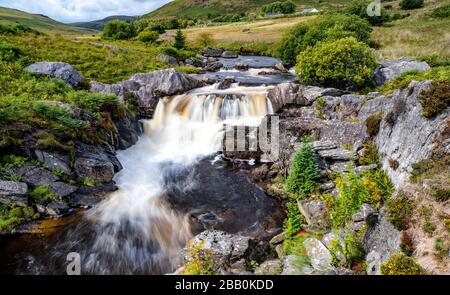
(205, 40)
(400, 264)
(119, 30)
(180, 40)
(304, 174)
(399, 210)
(351, 248)
(411, 4)
(345, 63)
(15, 215)
(284, 7)
(436, 99)
(441, 12)
(369, 154)
(429, 168)
(373, 124)
(325, 28)
(442, 194)
(320, 104)
(148, 36)
(200, 261)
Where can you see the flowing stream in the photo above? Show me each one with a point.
(136, 230)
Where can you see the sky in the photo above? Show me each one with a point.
(68, 11)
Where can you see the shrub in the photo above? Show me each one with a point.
(399, 210)
(148, 36)
(285, 7)
(411, 4)
(320, 108)
(345, 63)
(441, 12)
(359, 8)
(9, 52)
(304, 174)
(436, 99)
(294, 220)
(205, 39)
(324, 28)
(407, 244)
(369, 154)
(200, 261)
(373, 124)
(400, 264)
(442, 194)
(180, 40)
(429, 168)
(119, 30)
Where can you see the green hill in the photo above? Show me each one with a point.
(98, 25)
(38, 22)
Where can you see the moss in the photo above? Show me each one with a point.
(399, 210)
(42, 193)
(400, 264)
(441, 247)
(436, 99)
(199, 261)
(373, 124)
(48, 141)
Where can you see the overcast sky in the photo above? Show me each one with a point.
(84, 10)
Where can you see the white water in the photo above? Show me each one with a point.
(135, 230)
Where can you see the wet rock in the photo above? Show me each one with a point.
(318, 254)
(58, 70)
(13, 192)
(380, 241)
(54, 160)
(392, 68)
(270, 267)
(208, 220)
(241, 66)
(96, 163)
(128, 131)
(212, 52)
(280, 67)
(91, 196)
(62, 189)
(226, 83)
(315, 213)
(278, 239)
(35, 176)
(56, 208)
(170, 60)
(337, 154)
(230, 54)
(213, 66)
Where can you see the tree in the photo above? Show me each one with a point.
(119, 30)
(180, 40)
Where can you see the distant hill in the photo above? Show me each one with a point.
(39, 22)
(98, 25)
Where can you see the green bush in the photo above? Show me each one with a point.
(344, 63)
(442, 194)
(411, 4)
(400, 264)
(119, 30)
(304, 174)
(16, 29)
(441, 12)
(9, 52)
(359, 8)
(294, 220)
(325, 28)
(148, 36)
(285, 7)
(436, 99)
(399, 210)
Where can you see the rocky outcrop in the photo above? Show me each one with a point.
(212, 52)
(315, 213)
(146, 89)
(58, 70)
(226, 83)
(389, 69)
(213, 66)
(53, 160)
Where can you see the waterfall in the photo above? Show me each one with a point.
(134, 231)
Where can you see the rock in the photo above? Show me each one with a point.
(340, 271)
(380, 241)
(389, 69)
(170, 60)
(35, 176)
(260, 173)
(95, 163)
(329, 241)
(327, 187)
(54, 160)
(269, 267)
(230, 54)
(315, 213)
(362, 169)
(318, 254)
(224, 247)
(13, 192)
(278, 239)
(237, 268)
(241, 66)
(62, 189)
(212, 52)
(311, 93)
(343, 133)
(91, 196)
(337, 154)
(58, 70)
(323, 145)
(226, 83)
(128, 130)
(289, 266)
(213, 66)
(280, 67)
(56, 208)
(359, 218)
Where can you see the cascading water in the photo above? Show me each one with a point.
(134, 230)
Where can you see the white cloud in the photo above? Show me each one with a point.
(84, 10)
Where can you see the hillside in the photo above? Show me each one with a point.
(98, 25)
(38, 22)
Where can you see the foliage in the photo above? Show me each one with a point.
(400, 264)
(16, 29)
(42, 193)
(325, 28)
(304, 174)
(441, 12)
(9, 52)
(442, 194)
(200, 261)
(119, 30)
(345, 63)
(285, 7)
(436, 99)
(359, 8)
(441, 247)
(205, 39)
(369, 154)
(13, 216)
(428, 168)
(351, 248)
(180, 54)
(148, 36)
(294, 220)
(399, 210)
(411, 4)
(373, 124)
(180, 40)
(320, 105)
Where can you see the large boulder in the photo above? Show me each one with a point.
(53, 160)
(58, 70)
(318, 254)
(315, 213)
(389, 69)
(230, 54)
(212, 52)
(170, 60)
(11, 188)
(35, 176)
